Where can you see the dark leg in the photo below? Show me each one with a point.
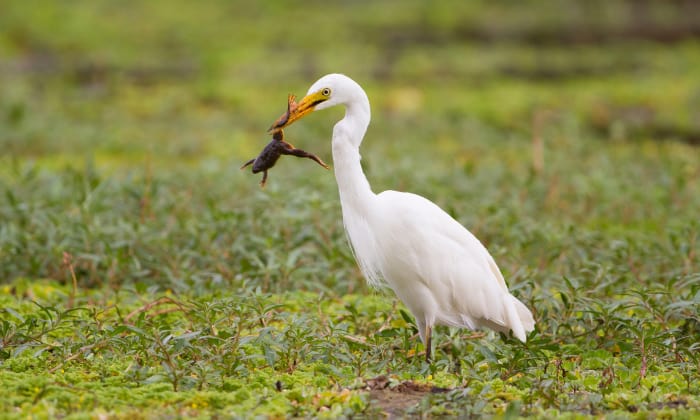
(428, 343)
(264, 180)
(303, 154)
(250, 162)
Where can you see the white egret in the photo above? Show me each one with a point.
(438, 269)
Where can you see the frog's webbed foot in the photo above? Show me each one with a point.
(282, 120)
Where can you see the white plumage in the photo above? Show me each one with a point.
(438, 269)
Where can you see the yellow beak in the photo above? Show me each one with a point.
(299, 110)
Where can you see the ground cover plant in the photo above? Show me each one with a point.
(142, 274)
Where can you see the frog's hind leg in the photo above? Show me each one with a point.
(303, 154)
(250, 162)
(264, 179)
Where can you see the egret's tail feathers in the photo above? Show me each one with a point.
(520, 318)
(525, 315)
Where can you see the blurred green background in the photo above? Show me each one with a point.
(119, 113)
(194, 80)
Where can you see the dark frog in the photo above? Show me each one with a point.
(278, 147)
(272, 152)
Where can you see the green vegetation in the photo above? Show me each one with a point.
(144, 275)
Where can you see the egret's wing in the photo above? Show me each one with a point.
(432, 229)
(464, 284)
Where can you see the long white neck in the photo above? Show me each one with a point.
(356, 197)
(355, 192)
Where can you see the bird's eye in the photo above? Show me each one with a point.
(326, 92)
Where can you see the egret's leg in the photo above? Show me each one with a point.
(428, 342)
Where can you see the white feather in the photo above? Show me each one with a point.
(440, 271)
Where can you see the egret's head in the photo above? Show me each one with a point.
(331, 89)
